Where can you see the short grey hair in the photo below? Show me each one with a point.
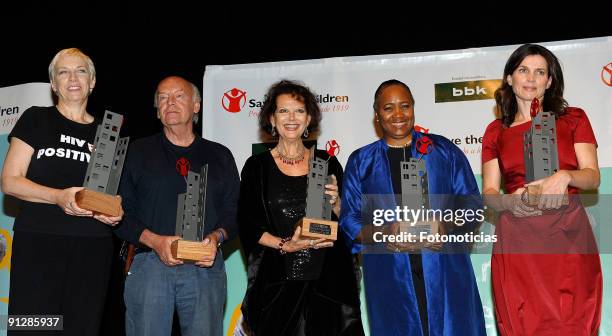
(197, 98)
(74, 52)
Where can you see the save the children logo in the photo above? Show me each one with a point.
(233, 100)
(424, 145)
(606, 74)
(332, 147)
(183, 166)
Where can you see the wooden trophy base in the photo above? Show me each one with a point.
(187, 250)
(318, 228)
(535, 191)
(98, 202)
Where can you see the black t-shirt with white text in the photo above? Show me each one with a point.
(62, 150)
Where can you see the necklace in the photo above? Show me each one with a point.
(400, 146)
(404, 146)
(291, 160)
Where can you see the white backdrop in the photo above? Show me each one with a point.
(453, 92)
(356, 79)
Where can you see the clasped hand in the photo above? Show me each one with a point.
(66, 200)
(553, 190)
(298, 242)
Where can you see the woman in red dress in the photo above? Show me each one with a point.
(545, 267)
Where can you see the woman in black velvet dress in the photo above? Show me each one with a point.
(296, 286)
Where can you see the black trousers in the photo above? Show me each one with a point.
(60, 275)
(418, 280)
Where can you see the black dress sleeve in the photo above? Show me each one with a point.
(335, 168)
(230, 199)
(252, 221)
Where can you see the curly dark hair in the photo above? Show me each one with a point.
(298, 91)
(553, 97)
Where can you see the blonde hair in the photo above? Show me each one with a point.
(72, 52)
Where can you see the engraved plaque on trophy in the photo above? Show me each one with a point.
(415, 195)
(104, 168)
(540, 152)
(190, 213)
(317, 223)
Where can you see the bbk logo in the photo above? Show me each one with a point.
(468, 91)
(233, 100)
(461, 91)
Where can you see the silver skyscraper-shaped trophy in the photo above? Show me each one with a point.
(104, 168)
(317, 222)
(540, 152)
(190, 212)
(415, 189)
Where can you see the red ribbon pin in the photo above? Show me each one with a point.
(182, 166)
(424, 145)
(535, 107)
